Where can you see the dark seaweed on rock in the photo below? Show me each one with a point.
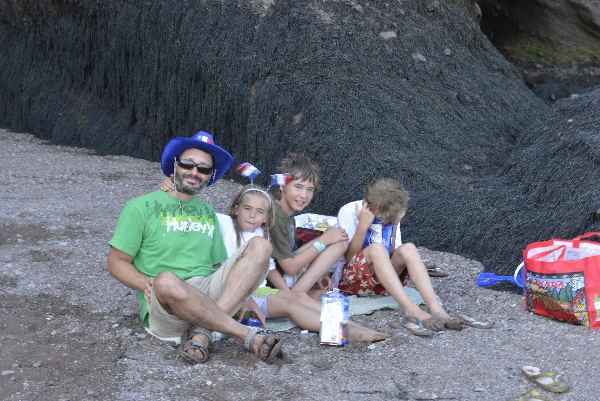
(411, 90)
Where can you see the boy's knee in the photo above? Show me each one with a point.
(376, 248)
(408, 249)
(343, 245)
(339, 247)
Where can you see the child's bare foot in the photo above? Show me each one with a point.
(366, 336)
(448, 321)
(433, 323)
(358, 333)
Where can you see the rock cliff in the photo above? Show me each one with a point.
(413, 90)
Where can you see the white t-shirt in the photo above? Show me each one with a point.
(230, 237)
(348, 220)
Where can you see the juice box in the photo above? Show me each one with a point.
(335, 308)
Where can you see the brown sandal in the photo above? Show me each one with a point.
(188, 343)
(267, 349)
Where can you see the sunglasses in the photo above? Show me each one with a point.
(189, 165)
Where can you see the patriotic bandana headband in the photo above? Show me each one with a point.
(248, 170)
(281, 179)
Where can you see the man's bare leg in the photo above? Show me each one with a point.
(247, 274)
(199, 309)
(195, 307)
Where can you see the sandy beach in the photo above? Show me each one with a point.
(69, 331)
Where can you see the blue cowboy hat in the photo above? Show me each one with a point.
(203, 141)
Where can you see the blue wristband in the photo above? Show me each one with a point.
(320, 246)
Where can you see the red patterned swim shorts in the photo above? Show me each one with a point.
(358, 280)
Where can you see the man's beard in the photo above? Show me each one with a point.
(186, 189)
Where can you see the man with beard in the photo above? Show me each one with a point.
(169, 248)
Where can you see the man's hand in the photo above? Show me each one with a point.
(148, 289)
(251, 306)
(120, 266)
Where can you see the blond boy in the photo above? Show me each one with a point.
(376, 266)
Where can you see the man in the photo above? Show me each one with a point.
(168, 247)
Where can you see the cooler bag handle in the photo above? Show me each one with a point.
(548, 252)
(591, 234)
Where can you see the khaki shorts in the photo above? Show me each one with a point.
(167, 326)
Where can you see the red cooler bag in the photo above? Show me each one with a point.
(562, 280)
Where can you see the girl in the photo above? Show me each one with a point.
(251, 214)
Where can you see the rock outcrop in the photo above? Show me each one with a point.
(412, 90)
(555, 43)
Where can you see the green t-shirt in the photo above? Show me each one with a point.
(151, 229)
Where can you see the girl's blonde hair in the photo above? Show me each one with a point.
(388, 198)
(256, 191)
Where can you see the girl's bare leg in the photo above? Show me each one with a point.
(306, 313)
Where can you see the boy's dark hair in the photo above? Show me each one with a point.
(300, 168)
(388, 198)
